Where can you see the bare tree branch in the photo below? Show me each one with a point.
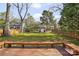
(15, 5)
(26, 11)
(27, 8)
(20, 9)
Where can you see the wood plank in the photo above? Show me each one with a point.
(74, 48)
(33, 43)
(1, 44)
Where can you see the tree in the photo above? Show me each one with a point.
(21, 7)
(47, 18)
(15, 21)
(57, 8)
(6, 26)
(30, 20)
(31, 24)
(2, 18)
(70, 17)
(2, 15)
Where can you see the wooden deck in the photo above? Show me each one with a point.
(49, 48)
(32, 52)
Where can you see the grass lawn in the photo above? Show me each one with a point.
(39, 37)
(33, 37)
(35, 34)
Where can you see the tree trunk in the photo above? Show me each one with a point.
(22, 27)
(7, 25)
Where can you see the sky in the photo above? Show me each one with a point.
(35, 10)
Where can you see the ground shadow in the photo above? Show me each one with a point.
(63, 51)
(30, 47)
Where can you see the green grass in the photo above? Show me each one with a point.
(39, 37)
(35, 34)
(72, 40)
(33, 37)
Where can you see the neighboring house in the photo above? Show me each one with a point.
(42, 28)
(15, 26)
